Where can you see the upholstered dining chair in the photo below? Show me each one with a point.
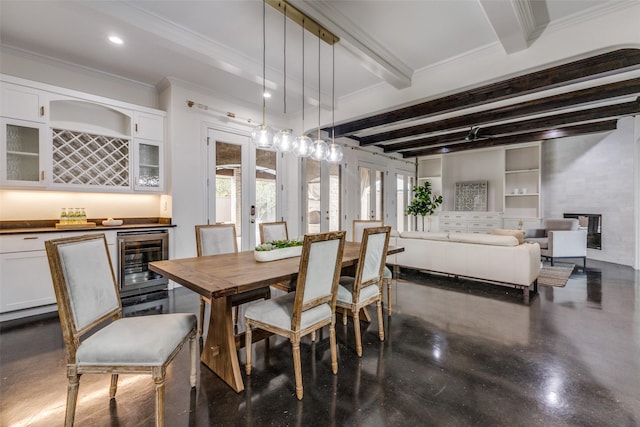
(358, 227)
(216, 239)
(270, 231)
(87, 297)
(310, 307)
(355, 293)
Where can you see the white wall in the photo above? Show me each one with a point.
(57, 73)
(481, 165)
(595, 174)
(16, 205)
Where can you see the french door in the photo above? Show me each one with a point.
(322, 196)
(371, 191)
(241, 185)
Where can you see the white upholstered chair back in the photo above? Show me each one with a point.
(375, 253)
(319, 273)
(271, 231)
(216, 239)
(360, 224)
(89, 286)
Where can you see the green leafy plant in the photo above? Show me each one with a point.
(424, 201)
(280, 244)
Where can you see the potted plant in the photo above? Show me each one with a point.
(424, 202)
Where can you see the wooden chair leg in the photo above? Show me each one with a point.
(332, 343)
(389, 296)
(72, 396)
(201, 319)
(158, 379)
(193, 354)
(344, 317)
(313, 336)
(297, 366)
(236, 310)
(356, 328)
(114, 386)
(247, 344)
(380, 320)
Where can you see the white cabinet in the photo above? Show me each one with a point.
(24, 103)
(469, 222)
(24, 272)
(148, 165)
(522, 184)
(23, 153)
(148, 126)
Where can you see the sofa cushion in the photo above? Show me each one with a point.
(518, 234)
(425, 235)
(542, 241)
(483, 239)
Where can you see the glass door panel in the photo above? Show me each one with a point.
(323, 196)
(313, 196)
(371, 192)
(266, 188)
(22, 152)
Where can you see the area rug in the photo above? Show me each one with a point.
(554, 276)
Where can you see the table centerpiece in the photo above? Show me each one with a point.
(278, 249)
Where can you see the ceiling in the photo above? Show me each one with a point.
(384, 44)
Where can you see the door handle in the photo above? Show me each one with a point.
(253, 210)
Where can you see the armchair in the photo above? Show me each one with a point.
(560, 238)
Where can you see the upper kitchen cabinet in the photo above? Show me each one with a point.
(56, 138)
(23, 153)
(24, 103)
(148, 126)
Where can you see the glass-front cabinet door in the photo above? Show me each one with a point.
(148, 165)
(23, 150)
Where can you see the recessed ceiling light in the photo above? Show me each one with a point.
(115, 40)
(267, 95)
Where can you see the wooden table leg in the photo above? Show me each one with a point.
(219, 352)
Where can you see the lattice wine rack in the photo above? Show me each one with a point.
(86, 159)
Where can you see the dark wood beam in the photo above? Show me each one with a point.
(540, 123)
(582, 129)
(582, 70)
(508, 112)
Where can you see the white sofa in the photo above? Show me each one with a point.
(499, 259)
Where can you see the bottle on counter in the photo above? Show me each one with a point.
(73, 218)
(64, 218)
(83, 216)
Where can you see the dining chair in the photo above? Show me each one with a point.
(216, 239)
(88, 298)
(358, 226)
(355, 293)
(271, 231)
(310, 307)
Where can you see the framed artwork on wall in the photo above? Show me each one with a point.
(471, 196)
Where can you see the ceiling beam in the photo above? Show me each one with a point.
(513, 22)
(374, 57)
(576, 130)
(537, 124)
(514, 111)
(562, 75)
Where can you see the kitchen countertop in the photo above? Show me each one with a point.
(48, 226)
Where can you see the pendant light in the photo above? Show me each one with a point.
(335, 151)
(262, 135)
(320, 148)
(303, 144)
(283, 140)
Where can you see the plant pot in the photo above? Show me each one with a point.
(275, 254)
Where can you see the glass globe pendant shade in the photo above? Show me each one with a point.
(284, 140)
(304, 146)
(335, 153)
(320, 150)
(262, 136)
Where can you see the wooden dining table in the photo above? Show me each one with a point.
(218, 277)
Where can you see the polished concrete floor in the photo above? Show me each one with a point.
(457, 353)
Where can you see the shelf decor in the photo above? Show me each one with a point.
(278, 249)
